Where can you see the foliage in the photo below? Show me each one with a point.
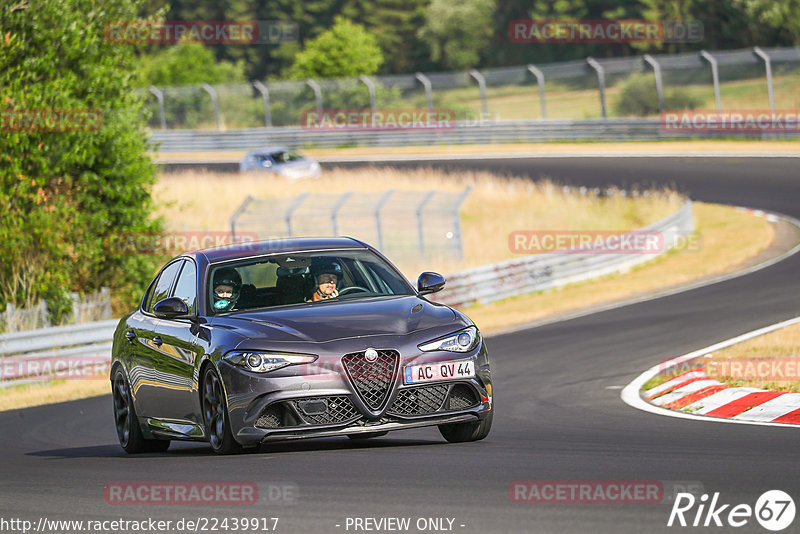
(639, 97)
(347, 49)
(457, 31)
(65, 192)
(186, 64)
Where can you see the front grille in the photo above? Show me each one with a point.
(340, 409)
(462, 397)
(372, 380)
(419, 400)
(293, 413)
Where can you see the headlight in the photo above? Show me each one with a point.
(461, 341)
(264, 362)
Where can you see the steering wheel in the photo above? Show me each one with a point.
(349, 289)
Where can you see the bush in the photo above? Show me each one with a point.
(66, 188)
(639, 97)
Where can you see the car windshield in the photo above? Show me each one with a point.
(304, 277)
(285, 157)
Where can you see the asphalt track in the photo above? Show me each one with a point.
(556, 419)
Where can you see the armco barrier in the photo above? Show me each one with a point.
(24, 355)
(537, 272)
(36, 354)
(519, 131)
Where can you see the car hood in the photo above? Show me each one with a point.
(329, 321)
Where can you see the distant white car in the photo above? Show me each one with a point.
(280, 160)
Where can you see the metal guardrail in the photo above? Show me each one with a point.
(538, 272)
(464, 132)
(69, 350)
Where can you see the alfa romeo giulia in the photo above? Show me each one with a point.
(295, 338)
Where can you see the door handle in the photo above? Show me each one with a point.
(130, 335)
(157, 341)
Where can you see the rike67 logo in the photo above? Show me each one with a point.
(774, 510)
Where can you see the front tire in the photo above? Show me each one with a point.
(215, 415)
(129, 432)
(461, 432)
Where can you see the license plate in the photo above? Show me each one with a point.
(431, 372)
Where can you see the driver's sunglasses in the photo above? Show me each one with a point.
(327, 279)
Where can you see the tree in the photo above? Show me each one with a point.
(65, 187)
(346, 50)
(457, 32)
(187, 64)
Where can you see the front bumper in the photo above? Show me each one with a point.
(320, 400)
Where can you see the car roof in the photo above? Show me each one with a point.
(273, 246)
(268, 150)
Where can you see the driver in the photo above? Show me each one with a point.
(227, 288)
(327, 278)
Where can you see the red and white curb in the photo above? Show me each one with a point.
(693, 395)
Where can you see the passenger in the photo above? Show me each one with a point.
(227, 288)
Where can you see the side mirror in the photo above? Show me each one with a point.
(429, 282)
(171, 308)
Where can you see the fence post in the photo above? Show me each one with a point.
(290, 210)
(160, 97)
(601, 83)
(457, 243)
(317, 94)
(335, 211)
(657, 73)
(265, 96)
(426, 83)
(714, 76)
(420, 229)
(236, 215)
(44, 313)
(11, 317)
(373, 98)
(482, 85)
(378, 207)
(76, 308)
(768, 65)
(105, 294)
(214, 101)
(540, 82)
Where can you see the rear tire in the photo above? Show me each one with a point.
(215, 415)
(129, 432)
(461, 432)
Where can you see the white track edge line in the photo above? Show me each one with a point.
(630, 393)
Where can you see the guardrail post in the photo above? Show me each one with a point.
(377, 213)
(76, 308)
(105, 296)
(11, 317)
(768, 65)
(373, 99)
(540, 82)
(457, 242)
(317, 94)
(265, 96)
(426, 83)
(420, 229)
(236, 215)
(601, 83)
(659, 86)
(290, 210)
(215, 101)
(714, 76)
(482, 86)
(44, 312)
(335, 211)
(160, 97)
